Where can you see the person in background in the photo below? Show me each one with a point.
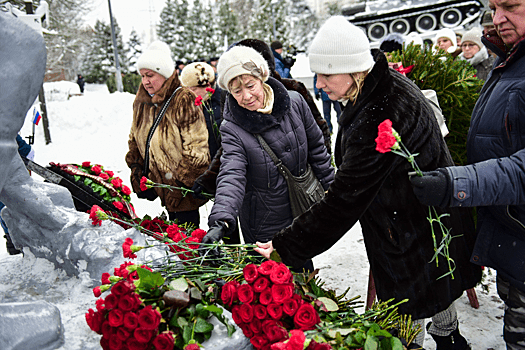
(327, 105)
(494, 180)
(249, 185)
(392, 42)
(280, 65)
(172, 150)
(25, 151)
(486, 22)
(374, 188)
(475, 53)
(81, 83)
(446, 39)
(213, 63)
(179, 66)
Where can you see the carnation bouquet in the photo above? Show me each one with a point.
(166, 303)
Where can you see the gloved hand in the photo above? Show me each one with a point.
(317, 96)
(433, 188)
(150, 194)
(288, 61)
(215, 233)
(197, 191)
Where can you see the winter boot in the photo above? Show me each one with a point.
(454, 341)
(460, 343)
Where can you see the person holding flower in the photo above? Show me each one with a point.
(168, 141)
(374, 188)
(249, 185)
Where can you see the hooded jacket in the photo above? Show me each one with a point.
(375, 189)
(179, 147)
(249, 184)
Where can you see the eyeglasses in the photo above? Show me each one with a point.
(467, 45)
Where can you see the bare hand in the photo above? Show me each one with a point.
(265, 249)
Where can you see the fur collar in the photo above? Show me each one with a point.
(255, 122)
(380, 74)
(479, 57)
(164, 93)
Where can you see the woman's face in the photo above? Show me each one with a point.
(336, 86)
(469, 49)
(248, 92)
(444, 43)
(151, 80)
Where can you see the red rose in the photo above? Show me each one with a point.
(94, 320)
(96, 169)
(97, 292)
(107, 330)
(123, 334)
(246, 313)
(229, 292)
(105, 278)
(110, 173)
(149, 318)
(104, 343)
(275, 311)
(296, 341)
(127, 302)
(126, 190)
(116, 182)
(267, 267)
(281, 274)
(318, 346)
(199, 234)
(250, 273)
(115, 343)
(198, 101)
(261, 284)
(265, 297)
(246, 330)
(192, 347)
(273, 331)
(259, 311)
(131, 320)
(143, 181)
(104, 176)
(134, 344)
(282, 292)
(259, 341)
(290, 306)
(245, 293)
(111, 301)
(236, 314)
(116, 318)
(122, 287)
(143, 335)
(256, 326)
(118, 205)
(86, 164)
(385, 138)
(306, 317)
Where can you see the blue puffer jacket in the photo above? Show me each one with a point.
(249, 184)
(495, 180)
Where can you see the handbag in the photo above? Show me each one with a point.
(304, 190)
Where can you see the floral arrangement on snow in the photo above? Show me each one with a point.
(166, 303)
(103, 183)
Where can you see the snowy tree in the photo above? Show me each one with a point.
(264, 17)
(303, 25)
(134, 50)
(227, 25)
(171, 28)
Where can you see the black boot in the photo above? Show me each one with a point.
(442, 342)
(460, 343)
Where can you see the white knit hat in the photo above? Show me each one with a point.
(414, 38)
(241, 60)
(157, 58)
(474, 36)
(340, 47)
(197, 74)
(447, 33)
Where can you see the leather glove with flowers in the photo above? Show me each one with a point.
(434, 188)
(215, 233)
(136, 175)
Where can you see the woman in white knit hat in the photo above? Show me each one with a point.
(168, 141)
(374, 188)
(475, 53)
(249, 184)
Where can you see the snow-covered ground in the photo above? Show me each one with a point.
(94, 127)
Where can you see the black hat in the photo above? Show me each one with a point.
(392, 42)
(262, 48)
(275, 45)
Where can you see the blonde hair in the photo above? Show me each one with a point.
(355, 89)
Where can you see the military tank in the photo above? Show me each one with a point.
(378, 18)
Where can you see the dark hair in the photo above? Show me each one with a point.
(275, 45)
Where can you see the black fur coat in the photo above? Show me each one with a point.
(374, 188)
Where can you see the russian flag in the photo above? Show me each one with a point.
(36, 117)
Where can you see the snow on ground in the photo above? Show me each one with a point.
(94, 127)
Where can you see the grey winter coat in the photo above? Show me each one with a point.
(249, 184)
(495, 180)
(482, 63)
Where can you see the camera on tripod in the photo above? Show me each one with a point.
(291, 56)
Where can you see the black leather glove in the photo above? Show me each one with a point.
(433, 188)
(288, 62)
(197, 191)
(317, 95)
(215, 233)
(150, 194)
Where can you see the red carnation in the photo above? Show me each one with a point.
(126, 190)
(97, 292)
(282, 292)
(118, 205)
(101, 305)
(116, 182)
(94, 320)
(297, 339)
(94, 216)
(210, 90)
(149, 318)
(245, 293)
(229, 292)
(267, 267)
(126, 249)
(250, 273)
(104, 176)
(259, 311)
(275, 311)
(198, 101)
(105, 278)
(385, 138)
(110, 173)
(143, 181)
(122, 288)
(192, 347)
(281, 274)
(246, 313)
(199, 234)
(306, 317)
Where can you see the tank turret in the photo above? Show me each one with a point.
(378, 18)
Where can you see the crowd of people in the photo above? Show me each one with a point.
(221, 128)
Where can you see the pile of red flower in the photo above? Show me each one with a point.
(267, 307)
(122, 319)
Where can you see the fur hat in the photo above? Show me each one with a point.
(340, 47)
(474, 36)
(241, 60)
(392, 42)
(276, 45)
(157, 58)
(447, 33)
(197, 74)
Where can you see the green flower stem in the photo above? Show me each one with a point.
(183, 190)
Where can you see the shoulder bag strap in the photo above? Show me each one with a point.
(280, 166)
(156, 123)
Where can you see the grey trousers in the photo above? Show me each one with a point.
(514, 319)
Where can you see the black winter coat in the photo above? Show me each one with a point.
(249, 184)
(213, 122)
(495, 182)
(374, 188)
